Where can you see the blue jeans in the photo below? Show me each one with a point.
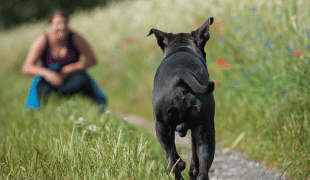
(79, 82)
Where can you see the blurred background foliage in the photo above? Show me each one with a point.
(16, 12)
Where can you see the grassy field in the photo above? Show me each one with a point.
(258, 55)
(76, 142)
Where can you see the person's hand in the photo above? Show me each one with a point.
(65, 71)
(54, 78)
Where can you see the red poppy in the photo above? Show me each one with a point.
(121, 44)
(297, 53)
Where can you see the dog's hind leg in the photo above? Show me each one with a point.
(205, 146)
(165, 136)
(193, 170)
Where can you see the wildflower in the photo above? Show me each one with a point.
(216, 25)
(93, 128)
(297, 53)
(254, 68)
(286, 95)
(132, 40)
(220, 61)
(108, 112)
(221, 39)
(254, 9)
(269, 44)
(121, 44)
(200, 23)
(235, 30)
(71, 117)
(80, 121)
(226, 65)
(245, 73)
(215, 82)
(235, 84)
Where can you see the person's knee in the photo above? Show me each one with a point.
(74, 84)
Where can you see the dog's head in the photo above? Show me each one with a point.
(196, 40)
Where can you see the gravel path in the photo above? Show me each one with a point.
(226, 165)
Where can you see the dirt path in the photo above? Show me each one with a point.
(226, 165)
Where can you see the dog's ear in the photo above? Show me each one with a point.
(201, 35)
(161, 36)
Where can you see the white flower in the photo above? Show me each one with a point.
(126, 118)
(108, 112)
(93, 128)
(71, 118)
(81, 119)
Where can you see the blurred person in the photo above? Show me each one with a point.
(58, 51)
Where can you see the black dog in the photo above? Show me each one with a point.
(182, 99)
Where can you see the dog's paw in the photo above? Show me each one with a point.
(182, 165)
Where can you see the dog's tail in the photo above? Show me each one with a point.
(192, 82)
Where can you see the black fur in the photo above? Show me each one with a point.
(182, 99)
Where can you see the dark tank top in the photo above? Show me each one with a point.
(72, 55)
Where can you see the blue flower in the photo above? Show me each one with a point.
(280, 17)
(254, 9)
(269, 44)
(286, 95)
(221, 39)
(265, 29)
(279, 35)
(245, 73)
(235, 84)
(254, 68)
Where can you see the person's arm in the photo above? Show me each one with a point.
(30, 67)
(89, 60)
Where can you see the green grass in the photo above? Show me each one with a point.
(71, 139)
(264, 94)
